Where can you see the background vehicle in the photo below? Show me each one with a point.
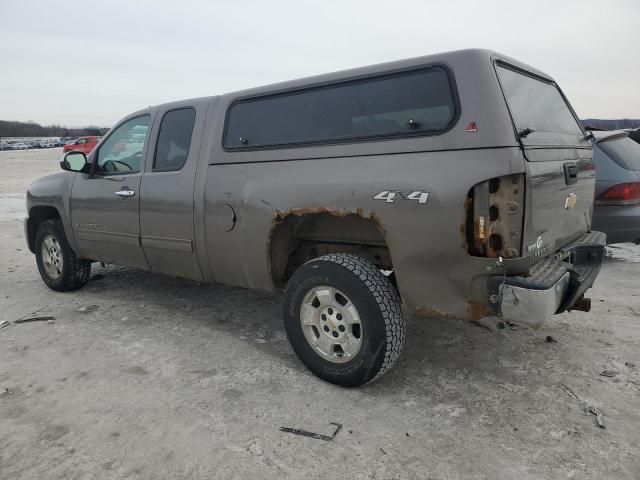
(44, 143)
(617, 205)
(82, 144)
(435, 168)
(20, 146)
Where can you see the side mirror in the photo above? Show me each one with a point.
(74, 162)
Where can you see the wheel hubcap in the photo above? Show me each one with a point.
(52, 256)
(331, 324)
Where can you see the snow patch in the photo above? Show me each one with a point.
(626, 252)
(12, 206)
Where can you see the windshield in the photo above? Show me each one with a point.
(538, 107)
(624, 151)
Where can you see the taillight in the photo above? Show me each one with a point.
(621, 194)
(495, 211)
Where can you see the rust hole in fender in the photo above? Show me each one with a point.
(300, 234)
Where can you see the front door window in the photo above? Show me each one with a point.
(121, 152)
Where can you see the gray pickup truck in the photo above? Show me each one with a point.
(457, 185)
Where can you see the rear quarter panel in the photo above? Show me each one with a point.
(620, 223)
(426, 241)
(609, 173)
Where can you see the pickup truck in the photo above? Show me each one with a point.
(458, 185)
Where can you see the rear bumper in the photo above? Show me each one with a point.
(553, 285)
(620, 223)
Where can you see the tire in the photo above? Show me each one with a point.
(58, 264)
(362, 342)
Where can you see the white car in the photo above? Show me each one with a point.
(20, 146)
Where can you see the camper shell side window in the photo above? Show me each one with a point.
(416, 102)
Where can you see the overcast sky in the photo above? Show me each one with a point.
(85, 62)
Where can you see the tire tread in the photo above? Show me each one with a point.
(79, 269)
(385, 295)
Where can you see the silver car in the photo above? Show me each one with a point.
(617, 203)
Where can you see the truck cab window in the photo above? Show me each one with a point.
(174, 140)
(117, 155)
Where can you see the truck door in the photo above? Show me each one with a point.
(105, 205)
(167, 191)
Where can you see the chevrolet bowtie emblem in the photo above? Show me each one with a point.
(570, 201)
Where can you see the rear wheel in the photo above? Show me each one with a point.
(58, 264)
(344, 319)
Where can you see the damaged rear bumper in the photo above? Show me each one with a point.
(552, 285)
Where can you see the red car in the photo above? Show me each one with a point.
(83, 144)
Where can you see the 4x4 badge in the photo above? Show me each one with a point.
(391, 195)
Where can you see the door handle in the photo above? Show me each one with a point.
(570, 173)
(125, 192)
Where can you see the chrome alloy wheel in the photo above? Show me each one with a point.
(331, 324)
(52, 256)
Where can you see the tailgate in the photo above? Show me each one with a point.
(559, 167)
(560, 192)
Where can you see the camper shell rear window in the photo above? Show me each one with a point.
(536, 104)
(409, 103)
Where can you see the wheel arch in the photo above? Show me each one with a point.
(37, 215)
(302, 235)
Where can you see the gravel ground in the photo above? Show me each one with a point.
(144, 376)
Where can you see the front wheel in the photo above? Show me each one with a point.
(58, 264)
(344, 319)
